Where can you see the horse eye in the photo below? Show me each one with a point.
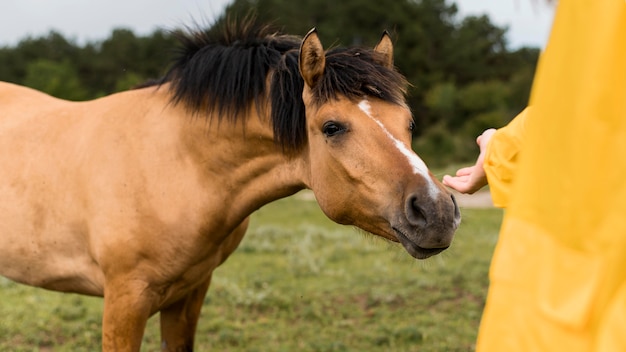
(412, 126)
(332, 128)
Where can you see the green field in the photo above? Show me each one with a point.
(298, 282)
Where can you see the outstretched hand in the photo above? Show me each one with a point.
(471, 179)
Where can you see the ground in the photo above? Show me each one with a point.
(481, 199)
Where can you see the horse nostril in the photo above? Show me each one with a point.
(414, 213)
(457, 211)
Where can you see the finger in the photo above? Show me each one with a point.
(456, 183)
(447, 180)
(464, 171)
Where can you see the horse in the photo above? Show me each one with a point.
(138, 196)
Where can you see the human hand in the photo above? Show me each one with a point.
(471, 179)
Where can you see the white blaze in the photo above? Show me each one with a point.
(418, 165)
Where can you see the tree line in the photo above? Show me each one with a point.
(464, 77)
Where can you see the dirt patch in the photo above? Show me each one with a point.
(480, 199)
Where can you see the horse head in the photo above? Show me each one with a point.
(363, 170)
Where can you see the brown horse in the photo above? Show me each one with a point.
(140, 195)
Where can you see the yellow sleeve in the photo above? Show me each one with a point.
(501, 158)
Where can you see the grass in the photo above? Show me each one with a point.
(298, 282)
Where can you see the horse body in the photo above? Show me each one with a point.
(81, 185)
(137, 199)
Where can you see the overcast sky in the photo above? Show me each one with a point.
(528, 20)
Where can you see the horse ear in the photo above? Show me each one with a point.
(385, 47)
(312, 59)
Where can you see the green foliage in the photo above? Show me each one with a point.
(463, 76)
(442, 99)
(482, 96)
(298, 282)
(67, 70)
(464, 114)
(438, 147)
(55, 78)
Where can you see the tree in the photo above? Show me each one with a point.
(58, 79)
(52, 47)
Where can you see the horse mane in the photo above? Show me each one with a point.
(224, 70)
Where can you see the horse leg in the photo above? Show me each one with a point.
(179, 320)
(127, 307)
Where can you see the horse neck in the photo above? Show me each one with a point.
(242, 163)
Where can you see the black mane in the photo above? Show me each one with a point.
(225, 70)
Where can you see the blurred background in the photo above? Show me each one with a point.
(470, 63)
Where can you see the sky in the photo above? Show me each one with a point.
(528, 21)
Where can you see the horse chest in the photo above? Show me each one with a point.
(177, 273)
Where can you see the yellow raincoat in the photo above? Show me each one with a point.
(558, 276)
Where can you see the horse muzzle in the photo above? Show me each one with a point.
(428, 224)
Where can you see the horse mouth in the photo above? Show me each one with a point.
(414, 249)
